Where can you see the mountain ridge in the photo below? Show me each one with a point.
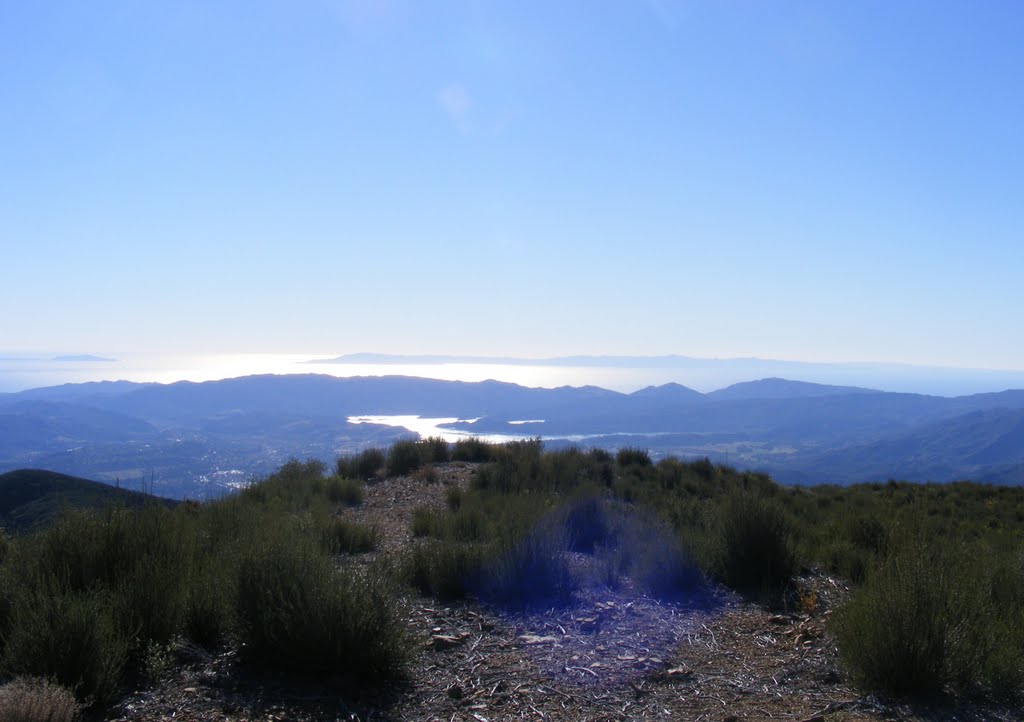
(207, 437)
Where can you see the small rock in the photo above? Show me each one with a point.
(678, 673)
(444, 641)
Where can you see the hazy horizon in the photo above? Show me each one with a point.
(24, 371)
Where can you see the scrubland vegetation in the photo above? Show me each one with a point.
(938, 570)
(87, 601)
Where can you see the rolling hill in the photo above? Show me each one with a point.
(33, 497)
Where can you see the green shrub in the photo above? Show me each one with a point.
(88, 549)
(403, 458)
(427, 522)
(296, 485)
(446, 570)
(703, 469)
(525, 468)
(869, 533)
(143, 557)
(344, 491)
(27, 699)
(589, 523)
(435, 450)
(5, 545)
(630, 455)
(344, 536)
(363, 466)
(920, 623)
(470, 523)
(93, 589)
(1004, 667)
(751, 544)
(297, 612)
(848, 560)
(530, 573)
(295, 471)
(472, 449)
(154, 599)
(73, 638)
(157, 662)
(210, 611)
(626, 541)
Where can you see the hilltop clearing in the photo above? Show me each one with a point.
(481, 582)
(612, 654)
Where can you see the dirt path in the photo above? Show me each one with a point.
(389, 504)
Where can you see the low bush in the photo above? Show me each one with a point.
(530, 573)
(630, 542)
(403, 457)
(296, 485)
(27, 699)
(589, 523)
(920, 623)
(427, 474)
(298, 612)
(74, 638)
(446, 570)
(428, 522)
(344, 491)
(750, 544)
(472, 449)
(210, 617)
(363, 466)
(5, 545)
(142, 556)
(847, 560)
(435, 450)
(469, 523)
(1004, 668)
(154, 598)
(868, 533)
(630, 455)
(344, 536)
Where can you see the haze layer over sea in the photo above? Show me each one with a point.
(19, 371)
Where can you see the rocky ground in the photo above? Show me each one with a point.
(609, 656)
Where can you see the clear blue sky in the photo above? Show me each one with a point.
(817, 181)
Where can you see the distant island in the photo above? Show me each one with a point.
(84, 358)
(714, 373)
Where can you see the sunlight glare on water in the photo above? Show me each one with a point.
(427, 427)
